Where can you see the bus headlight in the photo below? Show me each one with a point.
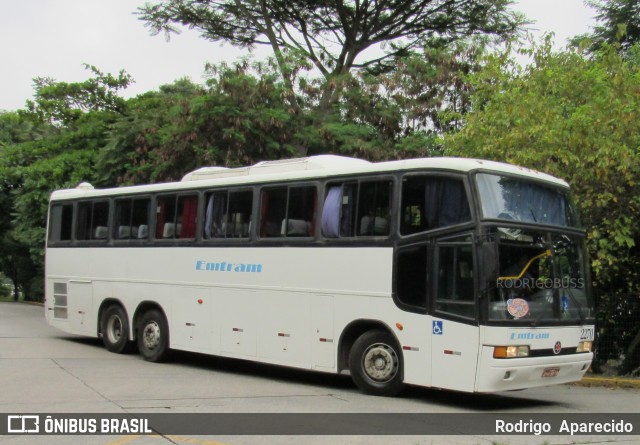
(510, 351)
(584, 346)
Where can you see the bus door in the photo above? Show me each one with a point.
(454, 329)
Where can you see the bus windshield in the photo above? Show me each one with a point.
(541, 278)
(517, 199)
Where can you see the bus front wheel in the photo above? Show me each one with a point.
(114, 327)
(153, 336)
(375, 362)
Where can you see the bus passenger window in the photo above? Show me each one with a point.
(374, 208)
(357, 209)
(455, 280)
(411, 277)
(288, 212)
(176, 217)
(93, 220)
(432, 202)
(61, 221)
(273, 210)
(301, 213)
(132, 219)
(228, 215)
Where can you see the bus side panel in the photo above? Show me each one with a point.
(80, 307)
(415, 340)
(283, 328)
(238, 321)
(454, 354)
(191, 322)
(322, 337)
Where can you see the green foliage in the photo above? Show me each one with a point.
(62, 103)
(238, 120)
(618, 23)
(52, 144)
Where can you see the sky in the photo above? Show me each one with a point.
(55, 38)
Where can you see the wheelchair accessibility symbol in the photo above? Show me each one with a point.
(437, 327)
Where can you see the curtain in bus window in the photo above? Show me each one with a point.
(508, 198)
(445, 203)
(216, 207)
(515, 199)
(189, 214)
(331, 213)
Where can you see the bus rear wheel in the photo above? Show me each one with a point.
(114, 327)
(375, 362)
(153, 336)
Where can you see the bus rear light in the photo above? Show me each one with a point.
(584, 346)
(510, 351)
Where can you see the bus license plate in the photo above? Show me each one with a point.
(550, 372)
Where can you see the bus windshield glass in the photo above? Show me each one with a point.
(541, 278)
(518, 200)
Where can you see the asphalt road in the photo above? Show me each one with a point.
(43, 370)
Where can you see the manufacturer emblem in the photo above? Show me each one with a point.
(557, 348)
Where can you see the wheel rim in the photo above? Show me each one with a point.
(114, 329)
(380, 362)
(151, 335)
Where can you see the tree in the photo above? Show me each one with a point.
(578, 117)
(62, 103)
(15, 262)
(239, 119)
(335, 37)
(397, 114)
(618, 22)
(242, 117)
(52, 144)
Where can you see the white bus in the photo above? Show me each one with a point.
(461, 274)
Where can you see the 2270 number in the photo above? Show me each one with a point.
(587, 333)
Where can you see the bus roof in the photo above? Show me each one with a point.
(312, 167)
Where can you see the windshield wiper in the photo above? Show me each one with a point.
(575, 302)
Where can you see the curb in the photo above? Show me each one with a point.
(607, 382)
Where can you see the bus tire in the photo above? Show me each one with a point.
(153, 336)
(114, 326)
(375, 362)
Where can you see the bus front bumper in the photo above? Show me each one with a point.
(520, 373)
